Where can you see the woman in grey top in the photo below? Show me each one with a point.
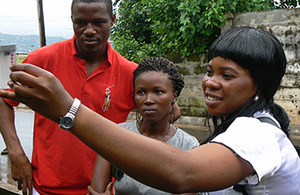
(124, 184)
(157, 85)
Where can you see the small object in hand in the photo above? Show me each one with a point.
(4, 151)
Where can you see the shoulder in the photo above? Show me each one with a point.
(248, 135)
(249, 129)
(183, 140)
(129, 125)
(259, 143)
(252, 126)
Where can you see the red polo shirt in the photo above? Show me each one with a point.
(62, 164)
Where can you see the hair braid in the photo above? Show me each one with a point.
(160, 64)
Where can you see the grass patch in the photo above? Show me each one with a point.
(21, 57)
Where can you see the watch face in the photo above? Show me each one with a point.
(66, 122)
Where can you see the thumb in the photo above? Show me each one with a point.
(91, 190)
(109, 186)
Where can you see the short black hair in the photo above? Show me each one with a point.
(160, 64)
(256, 50)
(261, 53)
(108, 3)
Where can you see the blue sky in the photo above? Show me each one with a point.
(19, 17)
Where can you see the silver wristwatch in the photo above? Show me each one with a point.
(67, 121)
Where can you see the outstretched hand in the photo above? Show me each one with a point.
(38, 89)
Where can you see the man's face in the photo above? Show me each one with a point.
(91, 24)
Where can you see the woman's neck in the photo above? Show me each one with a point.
(157, 131)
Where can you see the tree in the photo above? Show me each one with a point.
(160, 27)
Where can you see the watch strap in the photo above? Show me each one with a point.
(75, 106)
(67, 121)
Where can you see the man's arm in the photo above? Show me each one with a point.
(20, 165)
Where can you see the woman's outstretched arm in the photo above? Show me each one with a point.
(157, 164)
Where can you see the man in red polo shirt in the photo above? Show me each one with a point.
(91, 71)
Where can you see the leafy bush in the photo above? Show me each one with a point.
(160, 27)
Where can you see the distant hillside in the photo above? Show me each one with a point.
(26, 43)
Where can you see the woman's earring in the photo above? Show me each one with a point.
(172, 113)
(256, 98)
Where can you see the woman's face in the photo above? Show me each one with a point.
(226, 86)
(154, 95)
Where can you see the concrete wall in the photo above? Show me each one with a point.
(285, 25)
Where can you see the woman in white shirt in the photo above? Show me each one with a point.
(245, 69)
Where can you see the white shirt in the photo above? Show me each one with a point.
(269, 151)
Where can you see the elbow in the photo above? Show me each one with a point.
(182, 181)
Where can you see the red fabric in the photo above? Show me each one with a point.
(62, 164)
(11, 102)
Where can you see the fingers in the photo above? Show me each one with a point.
(21, 172)
(91, 190)
(28, 68)
(28, 75)
(8, 94)
(30, 186)
(20, 90)
(38, 89)
(24, 189)
(23, 77)
(20, 186)
(108, 190)
(23, 186)
(109, 187)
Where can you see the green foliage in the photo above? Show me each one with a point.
(21, 58)
(159, 27)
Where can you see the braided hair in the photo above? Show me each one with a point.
(160, 64)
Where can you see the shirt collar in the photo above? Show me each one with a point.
(110, 51)
(73, 48)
